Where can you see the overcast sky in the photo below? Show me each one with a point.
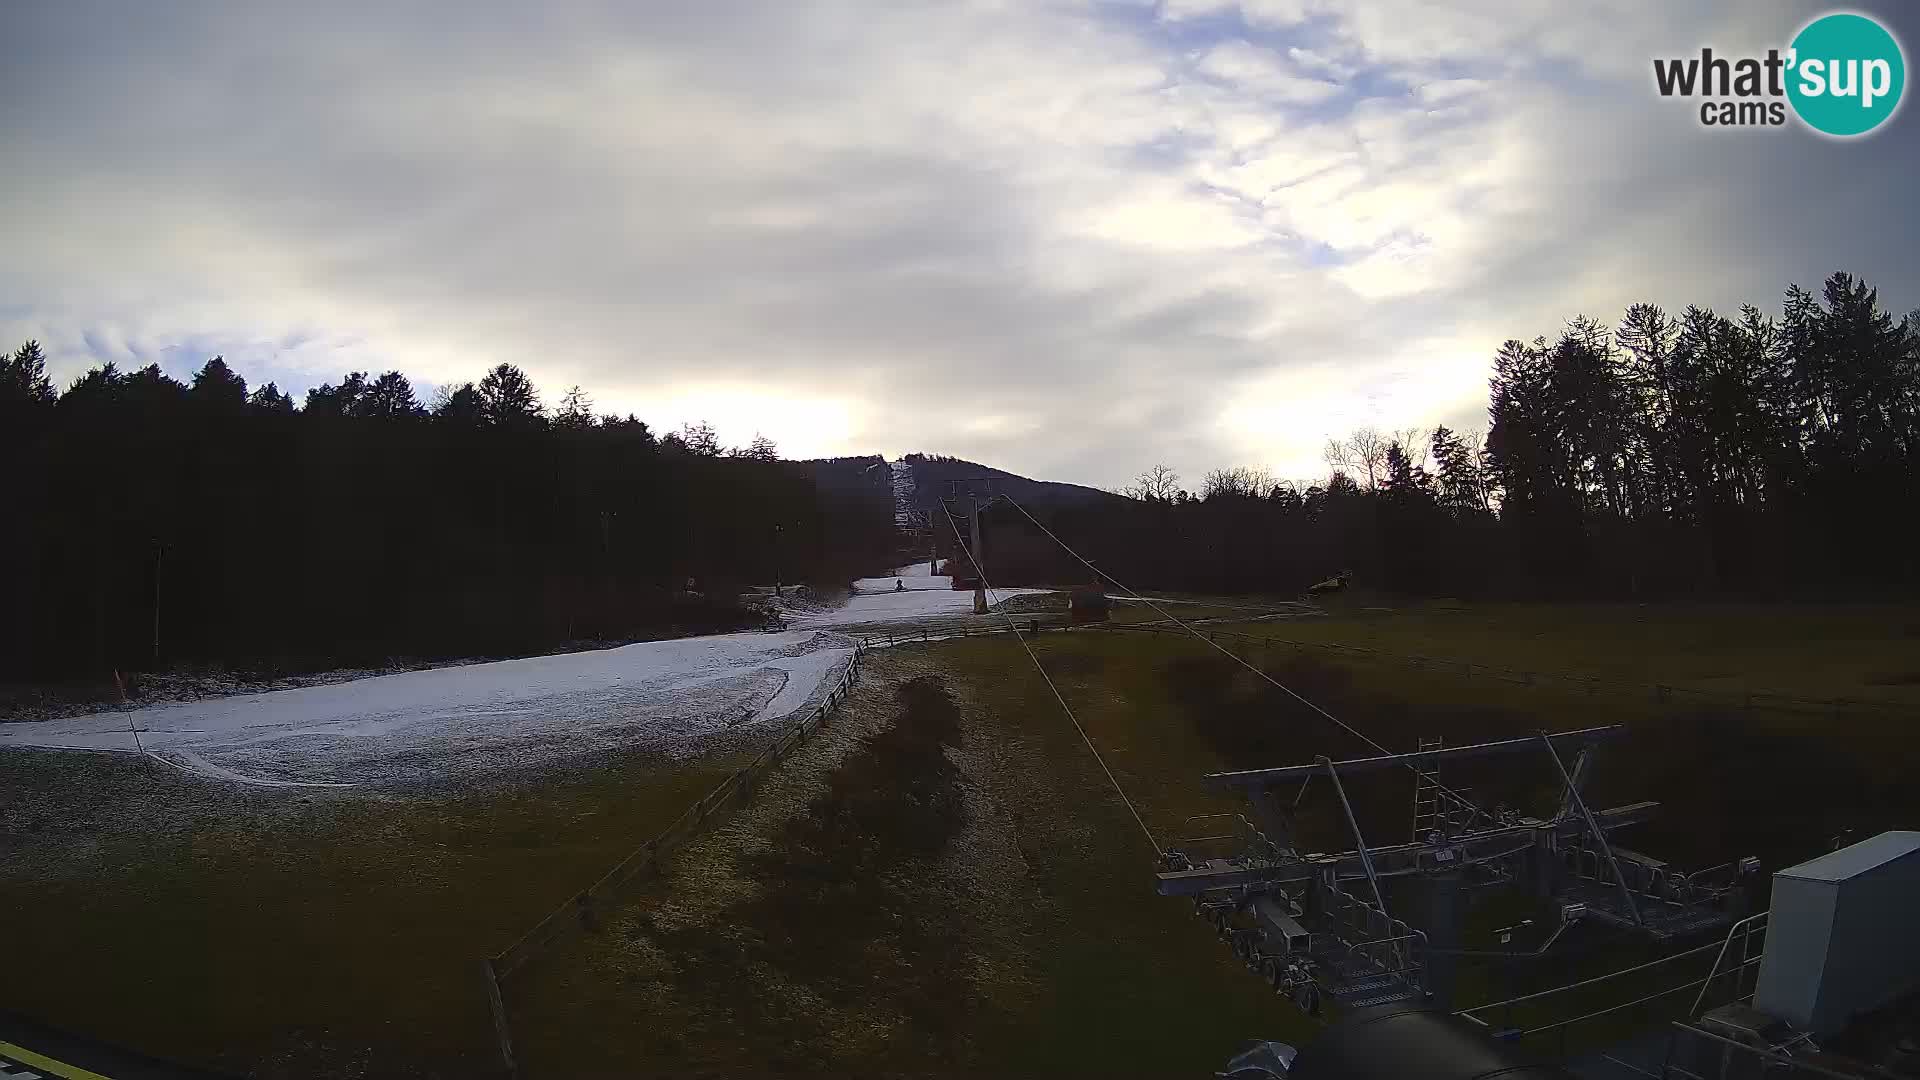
(1065, 238)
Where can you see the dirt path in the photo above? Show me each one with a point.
(926, 888)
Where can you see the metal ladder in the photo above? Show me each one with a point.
(1428, 813)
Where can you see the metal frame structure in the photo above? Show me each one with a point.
(1291, 917)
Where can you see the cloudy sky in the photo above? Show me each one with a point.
(1065, 237)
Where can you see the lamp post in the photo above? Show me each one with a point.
(777, 530)
(159, 550)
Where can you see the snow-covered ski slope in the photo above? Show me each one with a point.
(671, 696)
(904, 514)
(877, 600)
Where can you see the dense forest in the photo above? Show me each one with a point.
(1692, 456)
(155, 523)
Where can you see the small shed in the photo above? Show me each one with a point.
(1843, 935)
(1088, 605)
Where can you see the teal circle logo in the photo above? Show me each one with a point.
(1845, 75)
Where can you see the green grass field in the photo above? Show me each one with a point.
(943, 882)
(1866, 652)
(277, 935)
(955, 889)
(1078, 966)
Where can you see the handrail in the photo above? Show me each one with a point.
(1783, 1059)
(1587, 982)
(1609, 1009)
(1702, 982)
(1714, 971)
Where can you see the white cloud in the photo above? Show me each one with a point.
(1175, 10)
(1262, 73)
(1318, 61)
(1063, 238)
(1441, 91)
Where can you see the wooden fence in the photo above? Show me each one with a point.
(582, 911)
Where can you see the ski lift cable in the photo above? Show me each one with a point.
(1048, 679)
(1228, 653)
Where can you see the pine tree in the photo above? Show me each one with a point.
(1458, 487)
(460, 407)
(97, 384)
(23, 377)
(151, 388)
(217, 386)
(388, 397)
(699, 439)
(1406, 482)
(576, 410)
(269, 399)
(1646, 335)
(1520, 443)
(343, 400)
(509, 400)
(630, 428)
(1589, 421)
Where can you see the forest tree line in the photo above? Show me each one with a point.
(1666, 456)
(1697, 455)
(156, 523)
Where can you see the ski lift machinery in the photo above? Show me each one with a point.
(1317, 927)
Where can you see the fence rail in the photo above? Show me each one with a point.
(582, 910)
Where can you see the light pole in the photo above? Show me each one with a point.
(159, 549)
(777, 530)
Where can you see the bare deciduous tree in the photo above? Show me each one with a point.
(1414, 442)
(1362, 453)
(1237, 482)
(1158, 484)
